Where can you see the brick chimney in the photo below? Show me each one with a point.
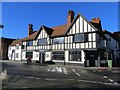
(96, 20)
(97, 23)
(30, 29)
(70, 17)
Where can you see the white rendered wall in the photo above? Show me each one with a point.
(66, 56)
(82, 56)
(23, 55)
(48, 56)
(10, 53)
(19, 52)
(35, 55)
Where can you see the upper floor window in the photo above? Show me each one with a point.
(17, 47)
(58, 40)
(81, 37)
(42, 41)
(29, 43)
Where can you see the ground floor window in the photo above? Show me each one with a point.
(16, 55)
(58, 55)
(74, 55)
(29, 54)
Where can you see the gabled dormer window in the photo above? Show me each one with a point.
(29, 43)
(42, 41)
(81, 37)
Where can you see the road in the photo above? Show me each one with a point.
(23, 76)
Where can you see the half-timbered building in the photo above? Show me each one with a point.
(78, 41)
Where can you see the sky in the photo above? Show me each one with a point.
(17, 15)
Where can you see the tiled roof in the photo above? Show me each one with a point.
(59, 30)
(18, 41)
(32, 36)
(113, 35)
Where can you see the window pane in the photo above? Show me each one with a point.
(58, 55)
(42, 41)
(58, 40)
(29, 43)
(74, 55)
(80, 37)
(29, 54)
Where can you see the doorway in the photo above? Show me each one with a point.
(91, 56)
(41, 57)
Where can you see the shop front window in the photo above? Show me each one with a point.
(74, 55)
(58, 55)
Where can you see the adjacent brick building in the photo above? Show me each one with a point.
(4, 44)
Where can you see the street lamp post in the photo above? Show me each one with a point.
(1, 26)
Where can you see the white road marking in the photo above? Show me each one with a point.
(65, 71)
(30, 77)
(24, 87)
(50, 79)
(18, 75)
(70, 79)
(110, 80)
(105, 77)
(98, 82)
(78, 74)
(73, 70)
(37, 78)
(116, 83)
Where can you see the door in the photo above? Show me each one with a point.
(41, 57)
(91, 56)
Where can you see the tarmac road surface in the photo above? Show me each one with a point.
(23, 76)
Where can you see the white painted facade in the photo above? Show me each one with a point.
(15, 52)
